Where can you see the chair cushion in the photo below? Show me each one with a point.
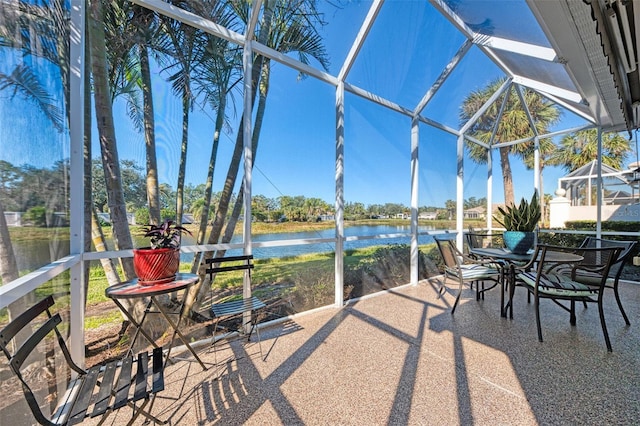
(474, 272)
(592, 279)
(557, 284)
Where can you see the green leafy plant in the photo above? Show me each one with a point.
(165, 235)
(523, 217)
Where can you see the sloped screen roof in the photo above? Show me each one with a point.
(509, 33)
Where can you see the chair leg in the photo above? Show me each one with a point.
(624, 314)
(536, 302)
(455, 304)
(572, 313)
(604, 324)
(255, 325)
(137, 412)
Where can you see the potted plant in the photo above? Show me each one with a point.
(159, 263)
(520, 223)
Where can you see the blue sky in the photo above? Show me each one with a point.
(296, 156)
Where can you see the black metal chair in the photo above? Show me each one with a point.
(585, 277)
(92, 393)
(552, 273)
(243, 311)
(476, 239)
(465, 269)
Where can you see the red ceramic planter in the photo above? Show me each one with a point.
(156, 266)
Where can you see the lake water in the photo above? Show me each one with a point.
(31, 255)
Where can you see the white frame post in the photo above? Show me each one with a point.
(460, 191)
(339, 259)
(77, 219)
(415, 143)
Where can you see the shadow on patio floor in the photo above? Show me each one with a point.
(401, 358)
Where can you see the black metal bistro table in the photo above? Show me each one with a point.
(132, 290)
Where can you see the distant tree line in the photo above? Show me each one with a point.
(38, 192)
(41, 192)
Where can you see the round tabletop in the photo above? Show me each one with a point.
(504, 254)
(133, 289)
(501, 253)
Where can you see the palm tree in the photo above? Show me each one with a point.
(217, 77)
(146, 32)
(580, 148)
(180, 46)
(103, 97)
(513, 125)
(286, 26)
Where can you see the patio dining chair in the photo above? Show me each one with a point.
(132, 381)
(589, 278)
(465, 269)
(482, 239)
(552, 274)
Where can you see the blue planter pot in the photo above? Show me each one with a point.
(519, 242)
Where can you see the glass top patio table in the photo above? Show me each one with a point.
(501, 254)
(513, 260)
(509, 256)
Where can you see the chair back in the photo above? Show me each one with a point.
(484, 239)
(448, 251)
(214, 265)
(596, 261)
(18, 353)
(627, 250)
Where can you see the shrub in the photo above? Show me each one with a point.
(36, 216)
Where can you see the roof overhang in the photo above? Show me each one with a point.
(586, 40)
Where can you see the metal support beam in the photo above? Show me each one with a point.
(460, 191)
(415, 142)
(77, 219)
(339, 260)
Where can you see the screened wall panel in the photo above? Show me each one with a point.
(437, 184)
(34, 135)
(294, 171)
(399, 60)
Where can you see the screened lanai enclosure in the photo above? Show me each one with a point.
(331, 140)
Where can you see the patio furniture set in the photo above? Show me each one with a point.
(564, 275)
(561, 274)
(131, 381)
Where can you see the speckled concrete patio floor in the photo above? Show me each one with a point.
(401, 358)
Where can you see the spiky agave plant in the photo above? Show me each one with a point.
(523, 217)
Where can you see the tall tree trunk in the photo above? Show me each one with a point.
(97, 237)
(255, 137)
(186, 107)
(8, 264)
(88, 173)
(8, 273)
(204, 218)
(153, 191)
(507, 176)
(195, 292)
(63, 49)
(109, 151)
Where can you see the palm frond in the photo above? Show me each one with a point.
(22, 80)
